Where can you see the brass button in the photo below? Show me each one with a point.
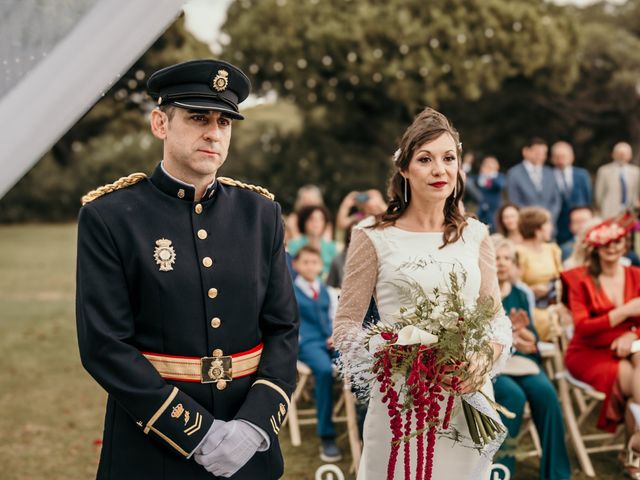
(213, 292)
(215, 322)
(221, 385)
(217, 353)
(207, 262)
(198, 208)
(202, 234)
(181, 193)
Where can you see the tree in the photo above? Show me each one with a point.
(604, 106)
(360, 70)
(366, 58)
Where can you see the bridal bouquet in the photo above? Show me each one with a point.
(438, 344)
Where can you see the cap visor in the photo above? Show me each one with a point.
(206, 104)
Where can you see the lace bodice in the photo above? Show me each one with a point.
(380, 259)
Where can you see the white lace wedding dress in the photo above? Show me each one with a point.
(378, 261)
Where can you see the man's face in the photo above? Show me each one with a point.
(562, 156)
(622, 153)
(536, 154)
(578, 219)
(308, 265)
(196, 142)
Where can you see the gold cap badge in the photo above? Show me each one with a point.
(164, 255)
(283, 410)
(221, 81)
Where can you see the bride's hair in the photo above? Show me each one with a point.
(426, 127)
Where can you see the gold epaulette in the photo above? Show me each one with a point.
(122, 182)
(254, 188)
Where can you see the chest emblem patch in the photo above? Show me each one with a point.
(164, 255)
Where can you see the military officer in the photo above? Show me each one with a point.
(185, 310)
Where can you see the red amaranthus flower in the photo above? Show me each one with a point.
(429, 350)
(425, 395)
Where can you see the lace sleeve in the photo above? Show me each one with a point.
(500, 331)
(358, 285)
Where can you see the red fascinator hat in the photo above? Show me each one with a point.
(610, 230)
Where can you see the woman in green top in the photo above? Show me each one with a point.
(312, 222)
(531, 384)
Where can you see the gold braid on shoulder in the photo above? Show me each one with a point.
(254, 188)
(122, 182)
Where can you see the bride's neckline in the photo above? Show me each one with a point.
(415, 231)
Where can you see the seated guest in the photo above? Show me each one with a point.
(307, 196)
(524, 381)
(312, 222)
(336, 271)
(316, 342)
(356, 206)
(507, 222)
(539, 264)
(603, 297)
(580, 251)
(578, 216)
(631, 254)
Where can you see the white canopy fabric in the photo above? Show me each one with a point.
(59, 76)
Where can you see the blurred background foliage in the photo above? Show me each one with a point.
(349, 76)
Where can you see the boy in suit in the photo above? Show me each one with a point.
(316, 343)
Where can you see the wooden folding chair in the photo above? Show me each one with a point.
(343, 411)
(586, 399)
(529, 428)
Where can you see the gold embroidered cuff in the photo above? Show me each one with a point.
(161, 410)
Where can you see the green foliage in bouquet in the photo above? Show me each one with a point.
(461, 329)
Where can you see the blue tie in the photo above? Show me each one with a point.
(565, 186)
(623, 188)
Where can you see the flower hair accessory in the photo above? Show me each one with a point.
(396, 156)
(610, 230)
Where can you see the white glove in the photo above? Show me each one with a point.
(210, 439)
(228, 448)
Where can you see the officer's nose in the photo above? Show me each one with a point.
(212, 133)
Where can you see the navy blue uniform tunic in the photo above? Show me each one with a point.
(127, 305)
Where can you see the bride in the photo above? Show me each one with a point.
(422, 237)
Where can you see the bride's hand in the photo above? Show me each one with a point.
(450, 379)
(478, 368)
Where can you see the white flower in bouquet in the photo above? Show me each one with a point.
(411, 335)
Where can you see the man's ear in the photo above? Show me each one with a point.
(159, 123)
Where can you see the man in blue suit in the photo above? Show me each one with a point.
(531, 183)
(574, 184)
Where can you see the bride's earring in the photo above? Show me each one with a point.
(455, 190)
(405, 190)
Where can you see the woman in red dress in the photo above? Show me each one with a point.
(603, 297)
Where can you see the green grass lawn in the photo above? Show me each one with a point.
(52, 410)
